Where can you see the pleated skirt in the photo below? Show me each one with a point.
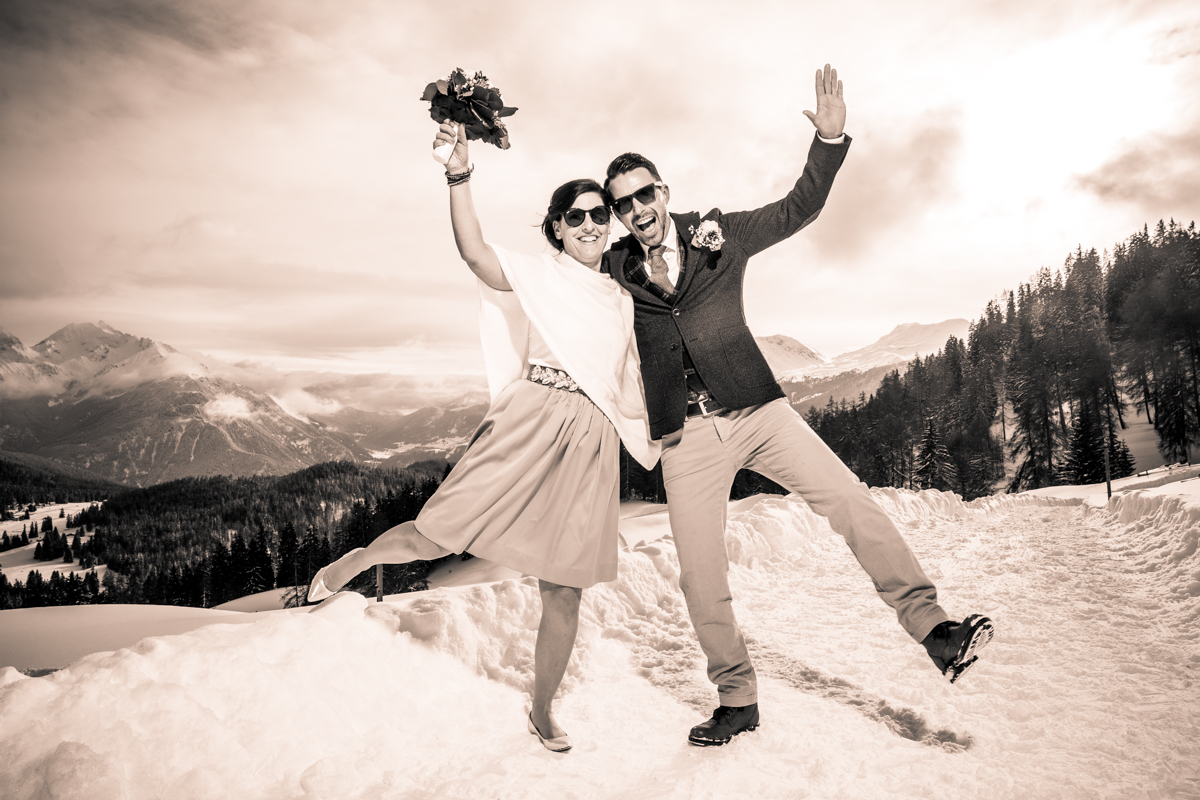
(537, 489)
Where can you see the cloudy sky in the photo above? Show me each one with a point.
(251, 178)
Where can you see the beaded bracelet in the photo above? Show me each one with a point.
(454, 179)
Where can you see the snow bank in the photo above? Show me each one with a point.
(54, 636)
(1161, 539)
(1096, 494)
(1085, 693)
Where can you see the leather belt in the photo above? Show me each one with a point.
(704, 407)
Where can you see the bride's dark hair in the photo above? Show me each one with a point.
(561, 200)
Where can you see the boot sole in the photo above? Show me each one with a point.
(981, 633)
(718, 742)
(957, 671)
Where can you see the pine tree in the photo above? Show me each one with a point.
(1036, 432)
(1084, 461)
(1175, 418)
(1121, 463)
(240, 568)
(260, 576)
(288, 570)
(356, 529)
(934, 468)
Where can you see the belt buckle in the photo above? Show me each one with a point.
(708, 407)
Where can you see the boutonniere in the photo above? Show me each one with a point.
(707, 235)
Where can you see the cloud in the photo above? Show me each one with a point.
(86, 63)
(1037, 18)
(390, 393)
(210, 27)
(1177, 43)
(251, 177)
(304, 392)
(1159, 174)
(25, 276)
(886, 181)
(301, 404)
(225, 407)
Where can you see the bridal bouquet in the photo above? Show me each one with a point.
(471, 102)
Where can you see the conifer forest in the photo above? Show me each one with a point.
(204, 541)
(1047, 376)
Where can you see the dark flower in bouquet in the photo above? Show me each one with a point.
(471, 102)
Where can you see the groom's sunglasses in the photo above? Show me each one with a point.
(574, 216)
(644, 195)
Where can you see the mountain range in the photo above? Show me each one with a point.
(860, 372)
(902, 345)
(140, 412)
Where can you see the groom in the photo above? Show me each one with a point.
(715, 405)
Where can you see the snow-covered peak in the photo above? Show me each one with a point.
(785, 354)
(152, 363)
(88, 359)
(13, 350)
(90, 347)
(905, 342)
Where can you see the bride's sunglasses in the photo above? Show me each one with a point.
(574, 216)
(644, 195)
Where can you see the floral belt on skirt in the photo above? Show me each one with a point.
(554, 378)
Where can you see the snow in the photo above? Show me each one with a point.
(1142, 440)
(905, 342)
(42, 638)
(1089, 689)
(270, 600)
(16, 564)
(1181, 478)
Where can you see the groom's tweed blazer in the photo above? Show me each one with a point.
(705, 313)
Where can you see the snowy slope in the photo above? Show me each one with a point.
(903, 344)
(1088, 691)
(16, 564)
(785, 354)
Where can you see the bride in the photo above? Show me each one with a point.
(537, 489)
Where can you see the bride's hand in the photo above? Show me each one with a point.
(450, 133)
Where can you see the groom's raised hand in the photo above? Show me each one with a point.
(830, 118)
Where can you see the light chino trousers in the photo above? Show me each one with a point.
(699, 465)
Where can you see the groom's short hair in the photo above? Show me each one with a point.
(628, 162)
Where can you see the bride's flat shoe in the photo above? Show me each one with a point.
(318, 590)
(559, 744)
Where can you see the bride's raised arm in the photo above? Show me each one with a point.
(468, 235)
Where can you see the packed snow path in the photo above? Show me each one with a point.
(1090, 689)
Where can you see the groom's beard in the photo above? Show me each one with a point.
(654, 235)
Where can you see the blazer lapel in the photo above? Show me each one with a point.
(691, 259)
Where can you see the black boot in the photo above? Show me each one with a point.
(726, 723)
(954, 648)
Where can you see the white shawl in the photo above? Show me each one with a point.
(586, 319)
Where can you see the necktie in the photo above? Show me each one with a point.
(658, 269)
